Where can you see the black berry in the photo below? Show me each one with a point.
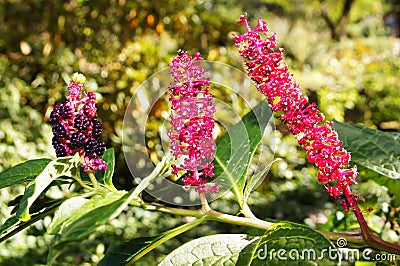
(55, 141)
(100, 148)
(54, 117)
(81, 122)
(90, 147)
(97, 128)
(65, 111)
(59, 130)
(77, 139)
(60, 150)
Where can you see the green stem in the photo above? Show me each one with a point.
(204, 203)
(82, 184)
(93, 179)
(210, 214)
(246, 211)
(167, 236)
(160, 168)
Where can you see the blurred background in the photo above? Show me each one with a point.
(343, 53)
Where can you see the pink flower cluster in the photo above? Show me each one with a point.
(192, 119)
(76, 128)
(266, 68)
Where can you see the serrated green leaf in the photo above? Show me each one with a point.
(376, 150)
(287, 243)
(235, 149)
(67, 166)
(23, 172)
(221, 249)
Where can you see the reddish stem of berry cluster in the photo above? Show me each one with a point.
(266, 68)
(192, 142)
(76, 128)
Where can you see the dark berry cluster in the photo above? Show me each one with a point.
(76, 128)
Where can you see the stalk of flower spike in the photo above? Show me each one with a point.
(76, 128)
(192, 120)
(265, 66)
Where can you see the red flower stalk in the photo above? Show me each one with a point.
(76, 128)
(192, 121)
(266, 68)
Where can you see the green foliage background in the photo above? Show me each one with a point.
(118, 44)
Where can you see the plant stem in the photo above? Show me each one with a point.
(204, 204)
(209, 214)
(369, 238)
(93, 180)
(246, 211)
(160, 168)
(82, 184)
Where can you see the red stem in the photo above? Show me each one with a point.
(369, 238)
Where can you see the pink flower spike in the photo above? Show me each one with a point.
(271, 76)
(192, 143)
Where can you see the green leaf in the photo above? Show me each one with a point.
(119, 253)
(72, 223)
(254, 180)
(286, 243)
(283, 243)
(109, 157)
(23, 172)
(67, 166)
(221, 249)
(13, 225)
(235, 149)
(71, 208)
(375, 150)
(103, 176)
(366, 142)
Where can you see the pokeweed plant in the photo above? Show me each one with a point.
(86, 166)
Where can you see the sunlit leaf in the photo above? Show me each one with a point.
(23, 172)
(221, 249)
(73, 223)
(290, 244)
(235, 149)
(67, 166)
